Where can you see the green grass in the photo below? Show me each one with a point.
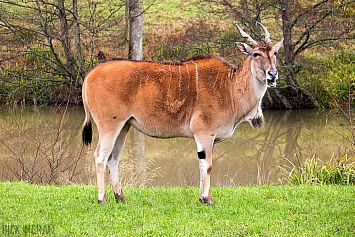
(244, 211)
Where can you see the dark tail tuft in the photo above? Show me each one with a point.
(87, 133)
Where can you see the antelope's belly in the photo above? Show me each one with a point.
(159, 128)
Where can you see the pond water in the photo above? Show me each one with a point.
(43, 145)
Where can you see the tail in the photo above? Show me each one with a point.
(87, 127)
(87, 133)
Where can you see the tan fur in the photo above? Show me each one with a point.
(203, 98)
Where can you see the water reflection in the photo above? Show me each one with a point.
(250, 156)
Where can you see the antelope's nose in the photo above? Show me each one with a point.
(272, 73)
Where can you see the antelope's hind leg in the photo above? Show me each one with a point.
(113, 163)
(103, 153)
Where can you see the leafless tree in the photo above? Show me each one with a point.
(305, 25)
(41, 148)
(58, 35)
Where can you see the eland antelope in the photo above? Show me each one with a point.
(203, 97)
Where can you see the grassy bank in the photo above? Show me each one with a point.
(243, 211)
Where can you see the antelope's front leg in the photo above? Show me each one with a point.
(205, 178)
(204, 152)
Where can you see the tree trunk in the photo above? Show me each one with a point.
(135, 35)
(289, 59)
(77, 38)
(292, 95)
(64, 39)
(135, 26)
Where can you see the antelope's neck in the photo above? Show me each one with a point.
(248, 90)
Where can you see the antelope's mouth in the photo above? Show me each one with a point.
(271, 82)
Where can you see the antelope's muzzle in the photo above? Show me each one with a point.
(272, 77)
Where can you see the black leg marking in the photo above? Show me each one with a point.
(201, 154)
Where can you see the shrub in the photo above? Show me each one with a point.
(40, 149)
(335, 171)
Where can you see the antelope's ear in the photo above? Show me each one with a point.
(245, 49)
(278, 45)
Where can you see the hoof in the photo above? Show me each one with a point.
(206, 200)
(102, 202)
(120, 198)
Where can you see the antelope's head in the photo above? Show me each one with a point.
(263, 56)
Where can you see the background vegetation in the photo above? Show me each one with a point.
(48, 46)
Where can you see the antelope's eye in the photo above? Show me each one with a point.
(275, 53)
(256, 55)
